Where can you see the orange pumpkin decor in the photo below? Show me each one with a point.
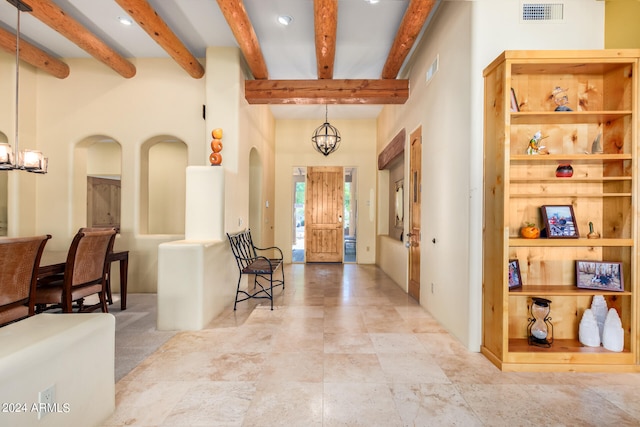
(216, 146)
(530, 231)
(215, 159)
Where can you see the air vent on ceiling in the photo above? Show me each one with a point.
(542, 12)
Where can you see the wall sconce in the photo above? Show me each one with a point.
(540, 329)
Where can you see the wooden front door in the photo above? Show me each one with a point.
(323, 214)
(415, 190)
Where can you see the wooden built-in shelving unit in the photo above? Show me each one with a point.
(602, 89)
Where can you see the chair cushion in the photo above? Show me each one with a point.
(13, 313)
(52, 293)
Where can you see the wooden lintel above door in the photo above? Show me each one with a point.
(393, 149)
(326, 91)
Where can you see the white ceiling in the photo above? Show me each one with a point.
(365, 33)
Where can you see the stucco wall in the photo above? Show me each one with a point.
(160, 100)
(466, 36)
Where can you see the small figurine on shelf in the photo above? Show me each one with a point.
(596, 146)
(529, 231)
(592, 234)
(534, 145)
(561, 99)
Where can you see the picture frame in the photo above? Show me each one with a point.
(515, 278)
(599, 275)
(514, 102)
(559, 222)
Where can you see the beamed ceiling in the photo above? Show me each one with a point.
(346, 52)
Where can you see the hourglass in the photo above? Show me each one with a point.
(540, 327)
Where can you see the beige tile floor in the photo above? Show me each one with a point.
(345, 346)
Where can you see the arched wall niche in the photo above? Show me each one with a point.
(255, 196)
(97, 169)
(163, 162)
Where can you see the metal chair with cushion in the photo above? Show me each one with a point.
(84, 274)
(19, 262)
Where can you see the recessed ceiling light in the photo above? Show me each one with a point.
(372, 1)
(285, 20)
(124, 20)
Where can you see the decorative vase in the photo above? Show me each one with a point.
(613, 334)
(599, 309)
(216, 147)
(564, 170)
(592, 234)
(589, 333)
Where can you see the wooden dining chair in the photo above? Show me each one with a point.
(19, 262)
(84, 274)
(108, 273)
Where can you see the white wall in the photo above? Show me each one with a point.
(245, 127)
(104, 158)
(467, 36)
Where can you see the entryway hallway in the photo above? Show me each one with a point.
(345, 346)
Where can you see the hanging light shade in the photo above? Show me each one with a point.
(326, 138)
(29, 160)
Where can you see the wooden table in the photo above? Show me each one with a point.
(121, 256)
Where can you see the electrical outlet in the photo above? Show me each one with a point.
(46, 400)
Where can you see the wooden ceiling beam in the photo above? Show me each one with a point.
(325, 18)
(50, 14)
(413, 20)
(238, 20)
(142, 12)
(377, 92)
(34, 56)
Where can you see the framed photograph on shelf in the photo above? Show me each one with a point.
(559, 222)
(515, 279)
(604, 276)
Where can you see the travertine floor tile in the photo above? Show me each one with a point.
(359, 404)
(433, 405)
(286, 404)
(344, 346)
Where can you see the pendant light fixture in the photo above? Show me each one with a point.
(29, 160)
(326, 138)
